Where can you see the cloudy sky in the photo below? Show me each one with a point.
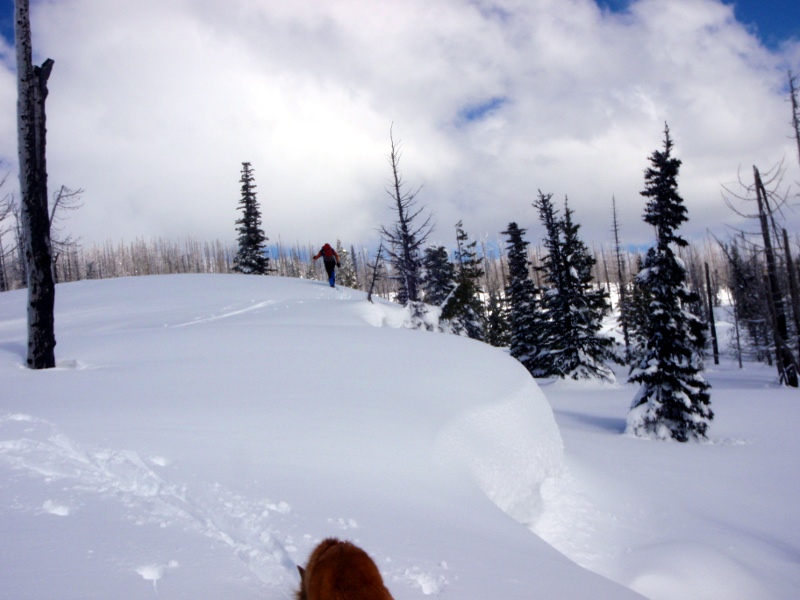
(154, 105)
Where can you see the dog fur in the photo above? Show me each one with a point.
(338, 570)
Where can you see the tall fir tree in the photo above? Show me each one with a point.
(585, 352)
(465, 310)
(673, 400)
(251, 257)
(439, 278)
(524, 312)
(574, 307)
(551, 270)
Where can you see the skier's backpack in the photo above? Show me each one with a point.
(327, 251)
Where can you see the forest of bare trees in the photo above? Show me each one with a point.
(160, 257)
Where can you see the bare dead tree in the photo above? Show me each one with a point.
(6, 210)
(763, 194)
(795, 112)
(787, 365)
(793, 288)
(405, 237)
(377, 270)
(711, 321)
(31, 132)
(64, 199)
(621, 280)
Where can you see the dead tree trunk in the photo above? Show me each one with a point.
(621, 283)
(711, 321)
(31, 132)
(736, 331)
(375, 272)
(787, 366)
(795, 297)
(795, 113)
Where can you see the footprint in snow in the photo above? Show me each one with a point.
(245, 525)
(154, 572)
(343, 523)
(428, 583)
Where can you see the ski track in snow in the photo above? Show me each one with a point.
(225, 315)
(35, 446)
(230, 311)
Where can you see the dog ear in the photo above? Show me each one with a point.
(302, 573)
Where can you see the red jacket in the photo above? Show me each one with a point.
(328, 253)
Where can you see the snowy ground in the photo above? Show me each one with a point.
(202, 433)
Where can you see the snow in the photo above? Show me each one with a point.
(201, 433)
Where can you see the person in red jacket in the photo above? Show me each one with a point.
(331, 260)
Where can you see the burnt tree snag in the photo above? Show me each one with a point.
(31, 135)
(787, 366)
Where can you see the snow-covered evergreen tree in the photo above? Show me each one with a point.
(572, 345)
(577, 311)
(465, 310)
(347, 272)
(438, 282)
(552, 295)
(673, 400)
(498, 332)
(251, 257)
(524, 313)
(638, 316)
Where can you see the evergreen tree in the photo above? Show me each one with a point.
(638, 316)
(465, 310)
(251, 257)
(582, 307)
(673, 400)
(438, 282)
(550, 332)
(347, 271)
(524, 316)
(574, 307)
(498, 332)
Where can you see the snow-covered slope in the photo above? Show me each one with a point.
(202, 433)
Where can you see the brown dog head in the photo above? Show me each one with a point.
(338, 570)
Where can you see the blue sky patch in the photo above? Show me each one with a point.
(614, 5)
(774, 22)
(7, 20)
(476, 112)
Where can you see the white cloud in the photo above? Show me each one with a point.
(153, 106)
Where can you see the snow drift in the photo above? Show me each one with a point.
(201, 433)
